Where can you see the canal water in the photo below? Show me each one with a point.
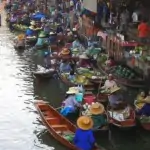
(20, 125)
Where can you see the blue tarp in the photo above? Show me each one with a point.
(38, 16)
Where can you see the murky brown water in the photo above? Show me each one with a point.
(20, 125)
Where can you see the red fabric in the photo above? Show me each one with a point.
(144, 30)
(112, 63)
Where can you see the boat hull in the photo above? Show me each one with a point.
(52, 119)
(124, 125)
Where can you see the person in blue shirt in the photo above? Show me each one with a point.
(84, 138)
(30, 31)
(65, 67)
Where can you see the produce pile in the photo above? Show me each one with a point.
(90, 73)
(93, 51)
(79, 79)
(20, 27)
(124, 72)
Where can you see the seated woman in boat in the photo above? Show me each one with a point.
(84, 138)
(143, 104)
(109, 83)
(53, 38)
(42, 39)
(110, 62)
(76, 43)
(97, 114)
(70, 104)
(71, 76)
(65, 66)
(116, 100)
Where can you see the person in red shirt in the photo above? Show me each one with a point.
(143, 31)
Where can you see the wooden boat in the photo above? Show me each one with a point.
(41, 74)
(134, 83)
(130, 122)
(57, 125)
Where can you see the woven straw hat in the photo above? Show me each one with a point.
(114, 89)
(72, 90)
(85, 123)
(97, 109)
(65, 51)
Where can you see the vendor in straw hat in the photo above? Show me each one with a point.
(109, 83)
(70, 104)
(84, 138)
(115, 98)
(97, 114)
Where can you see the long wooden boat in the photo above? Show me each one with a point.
(88, 87)
(57, 125)
(44, 75)
(129, 123)
(134, 83)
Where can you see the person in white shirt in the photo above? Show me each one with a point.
(109, 83)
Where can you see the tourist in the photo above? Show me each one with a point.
(84, 138)
(70, 104)
(109, 83)
(97, 114)
(115, 98)
(65, 66)
(143, 104)
(143, 31)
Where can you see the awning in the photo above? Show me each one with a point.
(90, 5)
